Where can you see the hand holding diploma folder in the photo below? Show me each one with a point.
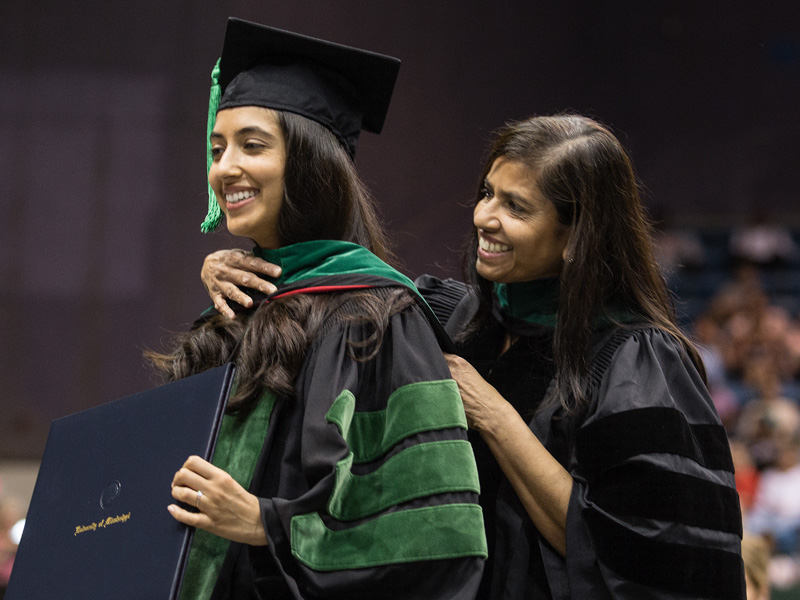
(98, 525)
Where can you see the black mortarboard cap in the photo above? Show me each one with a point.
(343, 88)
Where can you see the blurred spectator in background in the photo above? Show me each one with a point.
(736, 309)
(762, 243)
(776, 509)
(710, 340)
(756, 554)
(746, 475)
(769, 419)
(792, 341)
(743, 291)
(676, 247)
(748, 325)
(772, 339)
(10, 513)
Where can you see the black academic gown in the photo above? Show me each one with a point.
(653, 513)
(366, 480)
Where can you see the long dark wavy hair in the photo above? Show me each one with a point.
(583, 170)
(323, 199)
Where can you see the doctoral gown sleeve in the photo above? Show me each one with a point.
(383, 499)
(443, 296)
(654, 512)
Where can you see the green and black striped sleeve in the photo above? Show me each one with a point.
(378, 497)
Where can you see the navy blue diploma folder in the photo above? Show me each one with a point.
(98, 525)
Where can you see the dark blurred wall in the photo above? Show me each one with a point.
(103, 115)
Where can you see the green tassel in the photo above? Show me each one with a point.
(214, 215)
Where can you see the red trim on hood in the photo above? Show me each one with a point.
(321, 289)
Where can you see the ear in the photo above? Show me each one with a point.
(565, 252)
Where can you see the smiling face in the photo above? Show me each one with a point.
(519, 237)
(249, 158)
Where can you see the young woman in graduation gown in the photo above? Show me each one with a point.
(343, 468)
(605, 471)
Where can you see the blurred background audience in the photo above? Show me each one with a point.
(11, 512)
(737, 291)
(92, 253)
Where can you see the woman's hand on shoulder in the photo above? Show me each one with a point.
(225, 272)
(540, 482)
(224, 507)
(483, 404)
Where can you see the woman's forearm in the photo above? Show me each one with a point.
(541, 483)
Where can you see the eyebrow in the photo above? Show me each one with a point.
(527, 202)
(246, 131)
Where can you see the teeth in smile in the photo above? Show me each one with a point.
(239, 196)
(491, 247)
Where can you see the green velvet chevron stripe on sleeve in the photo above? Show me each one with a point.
(413, 408)
(430, 533)
(418, 471)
